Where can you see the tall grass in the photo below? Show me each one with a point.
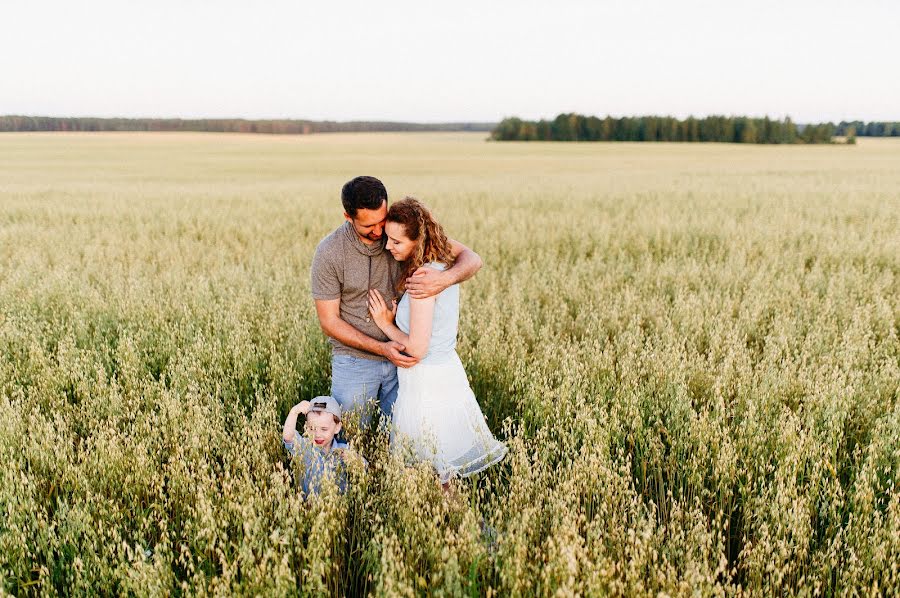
(692, 353)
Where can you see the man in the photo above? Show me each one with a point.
(348, 263)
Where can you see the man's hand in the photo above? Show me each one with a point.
(392, 350)
(426, 282)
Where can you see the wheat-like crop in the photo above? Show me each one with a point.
(691, 350)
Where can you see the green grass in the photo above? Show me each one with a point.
(691, 350)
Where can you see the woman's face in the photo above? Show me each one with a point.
(400, 246)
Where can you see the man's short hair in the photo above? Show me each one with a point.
(363, 193)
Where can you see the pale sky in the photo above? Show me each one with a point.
(450, 61)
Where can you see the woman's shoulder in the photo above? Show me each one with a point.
(436, 266)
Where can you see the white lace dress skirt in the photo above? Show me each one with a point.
(437, 419)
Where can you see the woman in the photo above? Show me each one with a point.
(436, 415)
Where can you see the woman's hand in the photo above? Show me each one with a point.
(381, 314)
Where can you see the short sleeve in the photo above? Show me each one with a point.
(289, 446)
(325, 283)
(297, 445)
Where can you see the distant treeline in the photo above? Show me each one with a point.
(221, 125)
(870, 129)
(725, 129)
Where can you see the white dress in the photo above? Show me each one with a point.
(436, 417)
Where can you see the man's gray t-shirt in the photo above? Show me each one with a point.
(345, 268)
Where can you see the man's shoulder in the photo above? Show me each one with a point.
(331, 247)
(333, 240)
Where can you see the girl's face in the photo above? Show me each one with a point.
(321, 428)
(400, 246)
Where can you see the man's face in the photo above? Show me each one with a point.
(369, 224)
(321, 428)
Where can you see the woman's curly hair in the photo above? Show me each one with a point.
(431, 241)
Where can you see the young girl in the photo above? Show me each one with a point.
(436, 415)
(324, 456)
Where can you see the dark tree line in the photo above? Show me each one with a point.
(870, 129)
(725, 129)
(225, 125)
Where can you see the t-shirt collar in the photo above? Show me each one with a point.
(368, 250)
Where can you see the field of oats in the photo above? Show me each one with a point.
(691, 350)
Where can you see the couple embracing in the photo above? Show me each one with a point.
(385, 285)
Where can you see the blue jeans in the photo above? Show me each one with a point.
(357, 382)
